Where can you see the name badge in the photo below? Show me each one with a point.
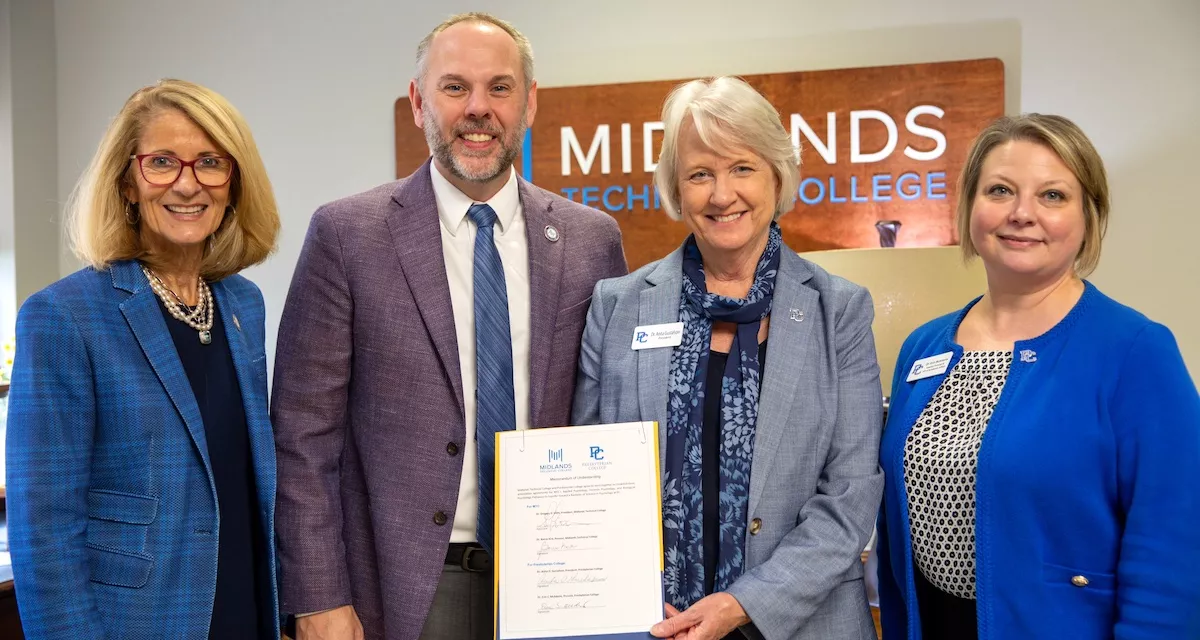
(929, 367)
(653, 336)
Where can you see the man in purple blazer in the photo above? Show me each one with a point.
(386, 396)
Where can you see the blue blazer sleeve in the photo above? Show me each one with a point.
(1156, 419)
(51, 425)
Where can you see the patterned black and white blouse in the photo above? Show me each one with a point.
(940, 458)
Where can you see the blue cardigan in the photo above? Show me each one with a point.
(1090, 466)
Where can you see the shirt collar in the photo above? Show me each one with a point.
(453, 204)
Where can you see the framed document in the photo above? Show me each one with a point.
(578, 547)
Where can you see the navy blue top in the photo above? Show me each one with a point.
(710, 470)
(242, 590)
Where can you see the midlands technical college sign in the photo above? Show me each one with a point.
(881, 150)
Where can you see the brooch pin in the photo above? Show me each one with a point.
(1028, 355)
(797, 315)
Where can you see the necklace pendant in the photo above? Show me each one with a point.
(205, 337)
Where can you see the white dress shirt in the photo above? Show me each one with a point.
(458, 251)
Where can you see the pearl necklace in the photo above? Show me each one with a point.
(198, 319)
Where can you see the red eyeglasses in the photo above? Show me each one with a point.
(163, 170)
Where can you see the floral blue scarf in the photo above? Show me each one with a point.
(683, 518)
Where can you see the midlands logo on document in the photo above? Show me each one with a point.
(555, 462)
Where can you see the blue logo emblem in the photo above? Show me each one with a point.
(555, 456)
(917, 368)
(641, 337)
(596, 453)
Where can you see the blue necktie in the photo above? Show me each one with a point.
(494, 396)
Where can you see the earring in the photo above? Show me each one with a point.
(230, 211)
(131, 213)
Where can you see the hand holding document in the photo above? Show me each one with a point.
(579, 532)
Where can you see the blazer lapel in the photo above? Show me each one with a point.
(416, 232)
(793, 314)
(262, 442)
(545, 283)
(658, 304)
(145, 319)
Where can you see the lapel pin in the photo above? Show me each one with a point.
(1028, 355)
(236, 323)
(551, 233)
(797, 315)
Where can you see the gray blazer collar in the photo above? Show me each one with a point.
(794, 310)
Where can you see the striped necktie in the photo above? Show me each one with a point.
(494, 396)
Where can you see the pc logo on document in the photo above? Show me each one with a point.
(596, 453)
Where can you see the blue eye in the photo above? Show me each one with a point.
(1054, 195)
(999, 190)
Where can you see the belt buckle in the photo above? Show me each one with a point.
(465, 563)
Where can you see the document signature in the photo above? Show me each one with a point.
(548, 548)
(583, 577)
(552, 520)
(567, 605)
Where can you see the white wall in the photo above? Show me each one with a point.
(29, 208)
(8, 265)
(317, 81)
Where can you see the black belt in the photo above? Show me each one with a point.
(469, 556)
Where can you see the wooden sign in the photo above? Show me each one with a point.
(881, 149)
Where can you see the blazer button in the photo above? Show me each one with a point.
(755, 526)
(452, 449)
(1079, 581)
(439, 518)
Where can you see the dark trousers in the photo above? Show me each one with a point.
(462, 606)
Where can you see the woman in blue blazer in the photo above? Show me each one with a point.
(141, 464)
(1043, 445)
(766, 392)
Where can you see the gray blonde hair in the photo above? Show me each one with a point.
(523, 47)
(96, 221)
(1068, 141)
(727, 112)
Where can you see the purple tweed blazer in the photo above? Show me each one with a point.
(368, 391)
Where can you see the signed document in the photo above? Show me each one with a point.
(578, 532)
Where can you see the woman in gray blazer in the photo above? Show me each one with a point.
(760, 369)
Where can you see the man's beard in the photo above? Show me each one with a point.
(510, 146)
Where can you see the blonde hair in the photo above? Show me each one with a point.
(727, 113)
(524, 48)
(1068, 141)
(97, 226)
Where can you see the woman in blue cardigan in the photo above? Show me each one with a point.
(1042, 450)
